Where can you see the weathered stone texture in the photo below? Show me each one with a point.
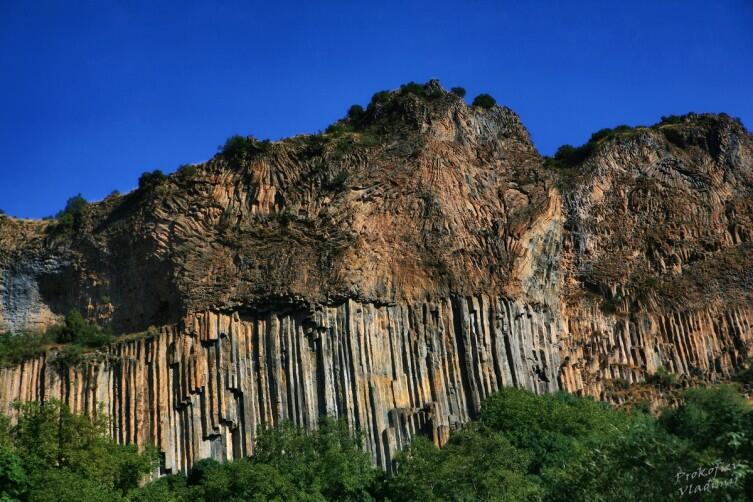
(201, 389)
(700, 346)
(453, 260)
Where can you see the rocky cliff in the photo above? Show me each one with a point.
(392, 271)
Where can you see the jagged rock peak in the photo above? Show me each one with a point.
(416, 196)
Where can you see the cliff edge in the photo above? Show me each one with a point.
(393, 271)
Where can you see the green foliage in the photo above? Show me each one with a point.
(75, 330)
(568, 156)
(54, 454)
(379, 98)
(75, 206)
(368, 140)
(355, 113)
(329, 461)
(698, 117)
(170, 488)
(70, 356)
(484, 100)
(524, 447)
(186, 172)
(289, 463)
(235, 147)
(413, 88)
(708, 415)
(556, 430)
(16, 348)
(672, 119)
(13, 479)
(241, 480)
(476, 464)
(69, 219)
(339, 128)
(75, 333)
(637, 463)
(238, 149)
(386, 111)
(662, 378)
(151, 180)
(458, 91)
(424, 91)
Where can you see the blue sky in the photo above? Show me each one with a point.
(94, 93)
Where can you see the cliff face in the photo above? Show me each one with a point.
(393, 271)
(659, 257)
(202, 388)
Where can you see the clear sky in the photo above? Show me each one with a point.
(94, 93)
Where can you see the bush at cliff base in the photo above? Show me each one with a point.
(523, 447)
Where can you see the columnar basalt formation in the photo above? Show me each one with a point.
(201, 389)
(600, 351)
(393, 272)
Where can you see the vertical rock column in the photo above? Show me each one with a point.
(202, 389)
(707, 345)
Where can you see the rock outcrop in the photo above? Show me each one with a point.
(201, 389)
(393, 271)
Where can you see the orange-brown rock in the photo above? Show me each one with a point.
(393, 271)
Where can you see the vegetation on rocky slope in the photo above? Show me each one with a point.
(523, 447)
(71, 338)
(298, 216)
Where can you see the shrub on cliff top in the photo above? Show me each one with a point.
(235, 146)
(186, 171)
(570, 156)
(413, 88)
(484, 101)
(458, 91)
(69, 219)
(355, 112)
(238, 148)
(150, 180)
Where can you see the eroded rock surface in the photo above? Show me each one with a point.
(393, 271)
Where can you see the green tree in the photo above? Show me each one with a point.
(355, 113)
(484, 101)
(76, 330)
(150, 180)
(69, 219)
(18, 347)
(13, 480)
(708, 416)
(186, 172)
(328, 463)
(458, 91)
(66, 453)
(235, 150)
(241, 480)
(476, 464)
(170, 488)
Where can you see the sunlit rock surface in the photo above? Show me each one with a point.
(393, 273)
